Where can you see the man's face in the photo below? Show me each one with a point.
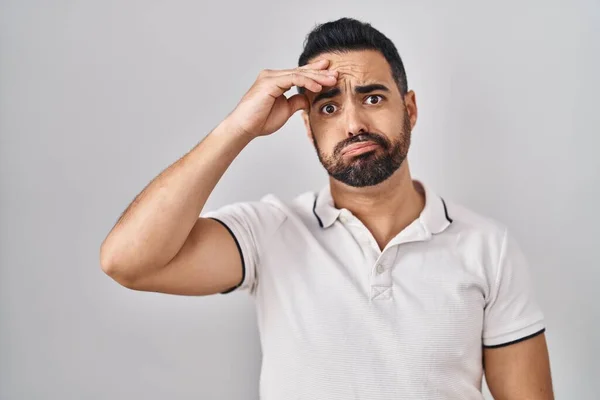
(361, 127)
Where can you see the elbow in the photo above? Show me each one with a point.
(107, 259)
(111, 266)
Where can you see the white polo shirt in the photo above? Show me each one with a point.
(339, 319)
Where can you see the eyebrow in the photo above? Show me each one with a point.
(333, 92)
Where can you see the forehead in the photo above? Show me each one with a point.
(358, 66)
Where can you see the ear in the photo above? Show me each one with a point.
(307, 126)
(410, 101)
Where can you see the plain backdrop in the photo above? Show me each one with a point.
(98, 97)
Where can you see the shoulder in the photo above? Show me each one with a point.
(270, 209)
(299, 209)
(479, 237)
(468, 221)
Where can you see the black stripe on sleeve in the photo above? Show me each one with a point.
(241, 256)
(516, 341)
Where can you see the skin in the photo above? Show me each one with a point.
(519, 371)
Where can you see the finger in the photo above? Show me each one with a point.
(315, 72)
(323, 78)
(284, 82)
(320, 72)
(320, 79)
(323, 63)
(298, 102)
(314, 67)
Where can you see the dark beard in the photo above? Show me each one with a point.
(372, 167)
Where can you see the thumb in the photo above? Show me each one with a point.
(298, 102)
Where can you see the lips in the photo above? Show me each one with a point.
(359, 148)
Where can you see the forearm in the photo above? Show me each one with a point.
(156, 224)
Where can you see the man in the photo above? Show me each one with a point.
(373, 288)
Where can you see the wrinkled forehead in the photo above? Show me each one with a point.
(358, 67)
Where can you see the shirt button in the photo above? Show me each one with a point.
(380, 269)
(344, 215)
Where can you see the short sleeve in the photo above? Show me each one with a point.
(251, 224)
(511, 313)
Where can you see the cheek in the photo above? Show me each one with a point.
(325, 146)
(326, 137)
(393, 126)
(390, 119)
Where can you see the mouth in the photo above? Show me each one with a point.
(359, 148)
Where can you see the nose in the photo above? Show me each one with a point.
(355, 122)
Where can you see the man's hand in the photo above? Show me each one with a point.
(264, 109)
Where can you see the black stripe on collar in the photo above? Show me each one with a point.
(446, 211)
(315, 211)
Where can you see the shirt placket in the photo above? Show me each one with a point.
(380, 263)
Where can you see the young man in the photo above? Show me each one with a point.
(373, 288)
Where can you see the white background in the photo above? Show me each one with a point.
(98, 97)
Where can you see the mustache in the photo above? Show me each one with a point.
(363, 137)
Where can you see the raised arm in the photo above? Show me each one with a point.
(160, 243)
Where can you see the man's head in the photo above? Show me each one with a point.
(361, 127)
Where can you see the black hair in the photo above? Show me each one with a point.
(347, 34)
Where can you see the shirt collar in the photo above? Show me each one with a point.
(434, 217)
(324, 208)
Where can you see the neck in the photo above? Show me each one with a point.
(385, 209)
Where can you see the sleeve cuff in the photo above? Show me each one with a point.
(232, 228)
(515, 336)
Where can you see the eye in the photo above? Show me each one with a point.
(374, 96)
(328, 109)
